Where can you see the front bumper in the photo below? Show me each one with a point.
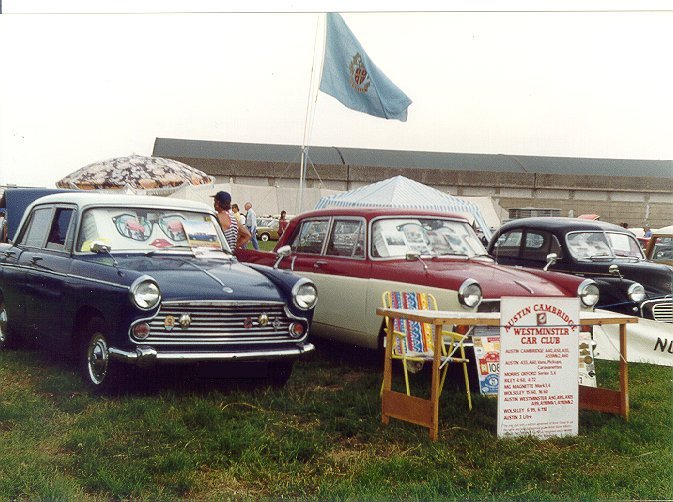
(146, 355)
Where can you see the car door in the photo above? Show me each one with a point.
(507, 248)
(46, 260)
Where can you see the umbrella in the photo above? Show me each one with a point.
(136, 174)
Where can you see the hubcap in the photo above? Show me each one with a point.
(97, 359)
(3, 324)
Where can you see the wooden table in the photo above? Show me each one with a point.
(424, 412)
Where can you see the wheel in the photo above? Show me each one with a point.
(264, 237)
(278, 373)
(5, 340)
(100, 374)
(8, 338)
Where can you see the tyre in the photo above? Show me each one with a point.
(264, 237)
(279, 373)
(5, 339)
(8, 338)
(99, 372)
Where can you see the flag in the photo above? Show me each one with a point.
(351, 77)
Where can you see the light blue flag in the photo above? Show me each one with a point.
(351, 77)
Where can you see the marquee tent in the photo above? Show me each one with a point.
(402, 192)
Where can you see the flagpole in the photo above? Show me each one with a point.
(308, 121)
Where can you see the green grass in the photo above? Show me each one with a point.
(174, 436)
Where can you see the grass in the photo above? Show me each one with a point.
(174, 436)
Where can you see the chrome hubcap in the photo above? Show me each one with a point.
(3, 324)
(97, 359)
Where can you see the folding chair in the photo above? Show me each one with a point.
(413, 340)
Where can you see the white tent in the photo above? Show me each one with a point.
(402, 192)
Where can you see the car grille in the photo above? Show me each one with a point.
(661, 309)
(487, 306)
(220, 323)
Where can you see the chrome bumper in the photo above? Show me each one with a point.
(145, 355)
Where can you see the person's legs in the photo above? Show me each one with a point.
(253, 237)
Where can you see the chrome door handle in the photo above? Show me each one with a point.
(35, 259)
(319, 263)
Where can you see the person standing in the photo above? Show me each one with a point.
(235, 234)
(282, 223)
(239, 216)
(251, 223)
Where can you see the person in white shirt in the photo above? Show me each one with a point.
(251, 223)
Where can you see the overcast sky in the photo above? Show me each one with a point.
(78, 88)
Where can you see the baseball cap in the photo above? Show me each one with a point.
(222, 197)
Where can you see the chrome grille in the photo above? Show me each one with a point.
(220, 323)
(487, 306)
(662, 310)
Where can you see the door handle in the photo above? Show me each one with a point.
(8, 253)
(35, 259)
(319, 263)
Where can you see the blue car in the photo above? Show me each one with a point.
(118, 280)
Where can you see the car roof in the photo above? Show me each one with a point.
(92, 198)
(663, 230)
(373, 212)
(562, 223)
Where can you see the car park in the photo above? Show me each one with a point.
(116, 279)
(353, 255)
(660, 246)
(604, 252)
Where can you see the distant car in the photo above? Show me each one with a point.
(607, 253)
(143, 280)
(267, 229)
(660, 246)
(353, 255)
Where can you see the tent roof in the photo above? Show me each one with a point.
(399, 191)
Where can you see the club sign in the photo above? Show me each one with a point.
(538, 393)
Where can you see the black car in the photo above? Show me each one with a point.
(606, 253)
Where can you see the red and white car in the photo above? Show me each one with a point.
(353, 255)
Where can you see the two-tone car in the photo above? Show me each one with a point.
(353, 255)
(604, 252)
(119, 279)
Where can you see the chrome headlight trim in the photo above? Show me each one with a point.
(145, 293)
(304, 294)
(636, 292)
(588, 293)
(470, 294)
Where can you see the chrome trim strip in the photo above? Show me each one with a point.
(147, 354)
(60, 274)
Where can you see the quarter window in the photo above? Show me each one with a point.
(37, 228)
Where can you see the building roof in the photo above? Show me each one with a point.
(322, 155)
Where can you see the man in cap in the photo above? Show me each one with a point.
(236, 235)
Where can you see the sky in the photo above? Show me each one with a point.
(88, 81)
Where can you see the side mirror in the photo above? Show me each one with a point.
(99, 247)
(552, 258)
(413, 256)
(614, 270)
(282, 252)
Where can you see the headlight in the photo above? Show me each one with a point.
(469, 293)
(636, 292)
(145, 293)
(588, 293)
(304, 294)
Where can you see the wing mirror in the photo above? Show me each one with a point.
(416, 256)
(99, 247)
(614, 270)
(282, 252)
(552, 258)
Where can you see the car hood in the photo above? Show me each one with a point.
(495, 280)
(189, 278)
(656, 278)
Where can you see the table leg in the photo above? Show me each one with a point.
(388, 364)
(623, 373)
(434, 392)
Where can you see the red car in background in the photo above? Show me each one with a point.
(353, 255)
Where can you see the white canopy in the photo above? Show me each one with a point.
(402, 192)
